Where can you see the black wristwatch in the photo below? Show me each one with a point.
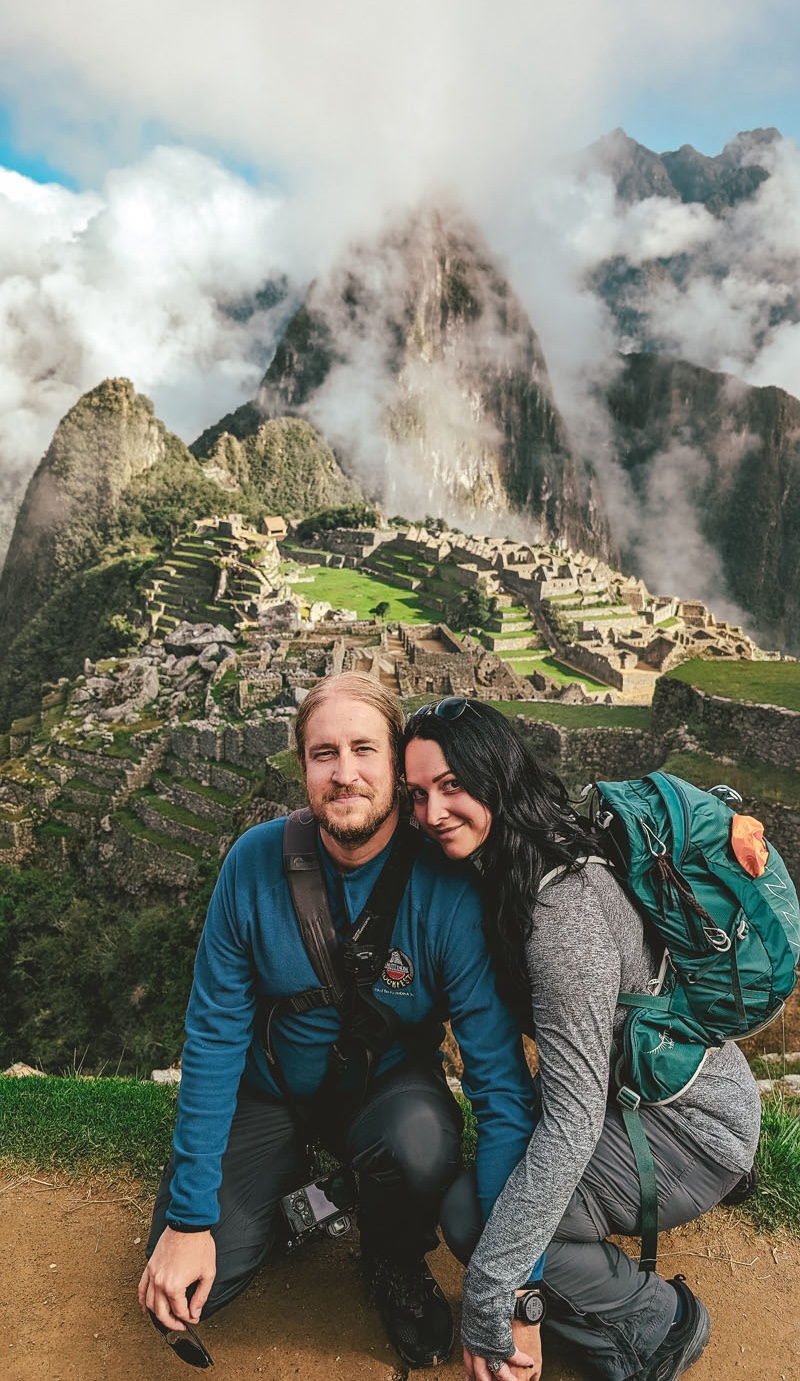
(530, 1307)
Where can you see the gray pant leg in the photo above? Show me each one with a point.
(614, 1312)
(263, 1161)
(600, 1302)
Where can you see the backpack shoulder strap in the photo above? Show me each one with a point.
(373, 927)
(309, 895)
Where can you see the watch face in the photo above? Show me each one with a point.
(530, 1307)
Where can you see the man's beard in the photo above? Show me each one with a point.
(381, 809)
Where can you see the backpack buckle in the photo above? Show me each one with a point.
(359, 961)
(628, 1099)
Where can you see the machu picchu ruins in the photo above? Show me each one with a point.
(151, 762)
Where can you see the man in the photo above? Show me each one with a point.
(241, 1130)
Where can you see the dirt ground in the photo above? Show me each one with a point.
(72, 1255)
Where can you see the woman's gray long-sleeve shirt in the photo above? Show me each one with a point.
(587, 945)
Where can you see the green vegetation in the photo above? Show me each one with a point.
(357, 590)
(87, 616)
(288, 765)
(752, 779)
(761, 683)
(85, 1127)
(471, 608)
(346, 515)
(87, 981)
(563, 626)
(565, 675)
(579, 716)
(120, 1127)
(777, 1203)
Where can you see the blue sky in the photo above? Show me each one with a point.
(292, 95)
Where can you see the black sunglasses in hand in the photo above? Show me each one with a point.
(185, 1344)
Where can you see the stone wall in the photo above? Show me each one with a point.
(245, 745)
(581, 756)
(766, 732)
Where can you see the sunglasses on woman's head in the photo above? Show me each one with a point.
(185, 1345)
(452, 707)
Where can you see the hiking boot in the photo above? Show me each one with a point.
(415, 1313)
(683, 1344)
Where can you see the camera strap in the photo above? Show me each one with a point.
(346, 968)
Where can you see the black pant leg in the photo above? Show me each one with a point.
(405, 1144)
(263, 1161)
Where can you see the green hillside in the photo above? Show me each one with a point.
(758, 683)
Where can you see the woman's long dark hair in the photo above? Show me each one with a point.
(534, 828)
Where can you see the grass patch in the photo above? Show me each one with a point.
(170, 811)
(209, 793)
(134, 826)
(571, 716)
(87, 1126)
(758, 683)
(288, 764)
(567, 676)
(345, 589)
(578, 716)
(755, 780)
(776, 1204)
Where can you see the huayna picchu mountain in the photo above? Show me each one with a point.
(418, 362)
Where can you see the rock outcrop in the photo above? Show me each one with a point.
(741, 480)
(417, 361)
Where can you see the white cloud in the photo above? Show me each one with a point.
(357, 111)
(132, 281)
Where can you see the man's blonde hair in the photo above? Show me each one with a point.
(358, 687)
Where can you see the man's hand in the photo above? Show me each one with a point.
(519, 1367)
(180, 1259)
(528, 1340)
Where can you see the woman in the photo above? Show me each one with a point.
(565, 945)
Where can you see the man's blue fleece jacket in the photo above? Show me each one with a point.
(251, 948)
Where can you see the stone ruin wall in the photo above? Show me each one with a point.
(581, 756)
(766, 732)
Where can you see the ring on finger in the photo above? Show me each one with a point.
(495, 1367)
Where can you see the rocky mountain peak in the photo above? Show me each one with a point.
(416, 360)
(104, 442)
(717, 181)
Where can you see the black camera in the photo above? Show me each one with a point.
(323, 1205)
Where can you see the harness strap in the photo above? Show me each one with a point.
(310, 900)
(346, 968)
(629, 1107)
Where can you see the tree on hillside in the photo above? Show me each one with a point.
(473, 608)
(346, 515)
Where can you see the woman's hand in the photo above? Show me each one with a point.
(521, 1366)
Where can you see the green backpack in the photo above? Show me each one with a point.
(732, 939)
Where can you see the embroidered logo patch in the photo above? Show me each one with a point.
(398, 971)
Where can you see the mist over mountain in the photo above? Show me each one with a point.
(416, 359)
(413, 370)
(710, 458)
